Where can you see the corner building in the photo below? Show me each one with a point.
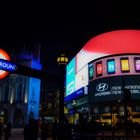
(107, 68)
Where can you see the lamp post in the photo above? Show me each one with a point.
(62, 61)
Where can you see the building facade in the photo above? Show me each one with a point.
(18, 98)
(108, 66)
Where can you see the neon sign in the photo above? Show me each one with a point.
(5, 56)
(4, 65)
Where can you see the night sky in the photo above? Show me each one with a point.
(62, 27)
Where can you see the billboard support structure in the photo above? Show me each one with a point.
(126, 95)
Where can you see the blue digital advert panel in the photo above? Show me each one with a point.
(74, 95)
(34, 98)
(34, 93)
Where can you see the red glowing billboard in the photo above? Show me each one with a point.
(114, 42)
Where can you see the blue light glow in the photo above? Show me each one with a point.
(34, 97)
(34, 93)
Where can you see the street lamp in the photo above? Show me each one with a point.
(62, 61)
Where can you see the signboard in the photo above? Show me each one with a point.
(111, 88)
(91, 71)
(8, 66)
(74, 95)
(34, 93)
(70, 77)
(33, 98)
(137, 64)
(125, 65)
(99, 68)
(110, 43)
(111, 66)
(81, 78)
(5, 56)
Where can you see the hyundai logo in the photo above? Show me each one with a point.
(102, 87)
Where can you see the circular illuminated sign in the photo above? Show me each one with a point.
(5, 56)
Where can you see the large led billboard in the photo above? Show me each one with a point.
(34, 93)
(81, 78)
(106, 44)
(111, 67)
(111, 88)
(137, 64)
(114, 42)
(115, 65)
(118, 72)
(125, 64)
(70, 77)
(91, 71)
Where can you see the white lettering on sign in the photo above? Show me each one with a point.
(7, 66)
(102, 94)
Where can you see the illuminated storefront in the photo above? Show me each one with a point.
(107, 88)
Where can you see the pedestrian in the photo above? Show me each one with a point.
(67, 130)
(55, 130)
(7, 130)
(26, 132)
(1, 128)
(44, 131)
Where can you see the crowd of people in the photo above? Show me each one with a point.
(31, 130)
(34, 129)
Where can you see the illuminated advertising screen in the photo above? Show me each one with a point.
(81, 78)
(99, 69)
(137, 64)
(115, 65)
(111, 66)
(70, 77)
(84, 57)
(110, 43)
(111, 88)
(91, 71)
(34, 93)
(34, 98)
(125, 65)
(74, 95)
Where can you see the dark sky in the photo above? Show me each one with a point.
(62, 27)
